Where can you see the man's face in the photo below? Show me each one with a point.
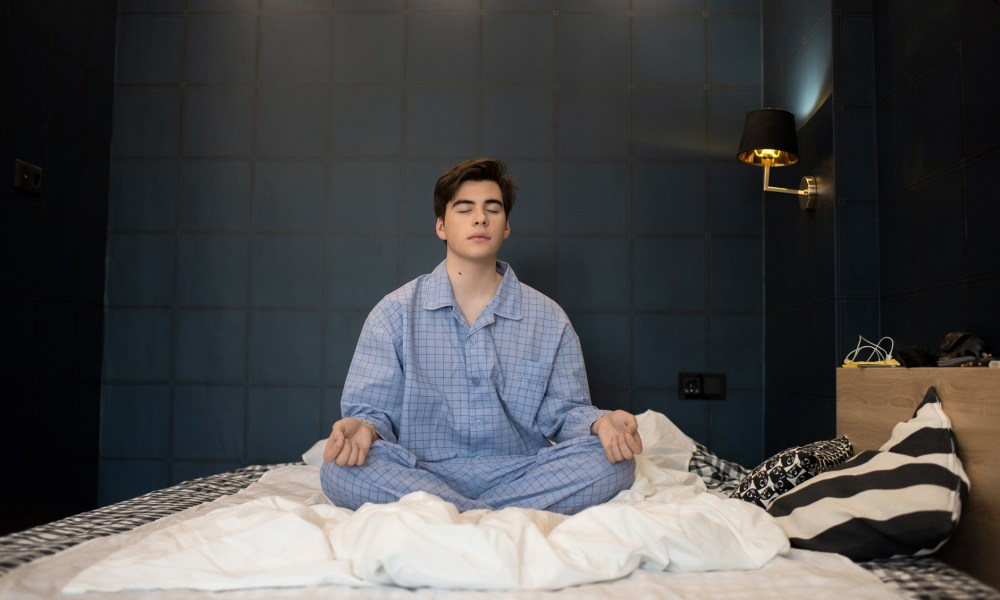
(474, 223)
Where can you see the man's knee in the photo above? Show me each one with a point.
(389, 472)
(350, 487)
(622, 471)
(596, 479)
(612, 477)
(343, 485)
(605, 478)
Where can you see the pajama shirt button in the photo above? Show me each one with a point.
(474, 382)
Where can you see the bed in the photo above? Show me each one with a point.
(45, 561)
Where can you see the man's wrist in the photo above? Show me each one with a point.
(371, 428)
(593, 425)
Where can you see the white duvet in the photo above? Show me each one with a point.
(281, 532)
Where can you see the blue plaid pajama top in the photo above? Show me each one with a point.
(507, 385)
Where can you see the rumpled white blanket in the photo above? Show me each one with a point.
(282, 532)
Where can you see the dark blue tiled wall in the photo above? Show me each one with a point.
(272, 171)
(802, 296)
(265, 153)
(262, 159)
(56, 84)
(902, 244)
(939, 145)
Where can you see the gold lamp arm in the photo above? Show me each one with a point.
(806, 192)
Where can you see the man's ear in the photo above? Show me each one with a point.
(506, 230)
(439, 229)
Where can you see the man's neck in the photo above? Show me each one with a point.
(474, 284)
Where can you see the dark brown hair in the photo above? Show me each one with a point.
(479, 169)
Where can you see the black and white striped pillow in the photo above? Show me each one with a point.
(903, 500)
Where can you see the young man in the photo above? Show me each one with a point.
(470, 385)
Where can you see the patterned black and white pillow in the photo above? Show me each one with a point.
(903, 500)
(789, 468)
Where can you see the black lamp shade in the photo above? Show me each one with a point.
(770, 129)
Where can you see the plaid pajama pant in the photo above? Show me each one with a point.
(565, 478)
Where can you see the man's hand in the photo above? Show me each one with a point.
(348, 443)
(619, 433)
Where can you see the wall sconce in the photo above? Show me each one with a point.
(769, 141)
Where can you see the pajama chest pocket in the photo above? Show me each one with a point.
(527, 387)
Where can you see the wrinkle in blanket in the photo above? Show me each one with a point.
(296, 538)
(423, 541)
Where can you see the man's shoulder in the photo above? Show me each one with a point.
(402, 301)
(405, 293)
(399, 299)
(537, 304)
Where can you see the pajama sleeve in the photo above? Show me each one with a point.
(567, 411)
(373, 390)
